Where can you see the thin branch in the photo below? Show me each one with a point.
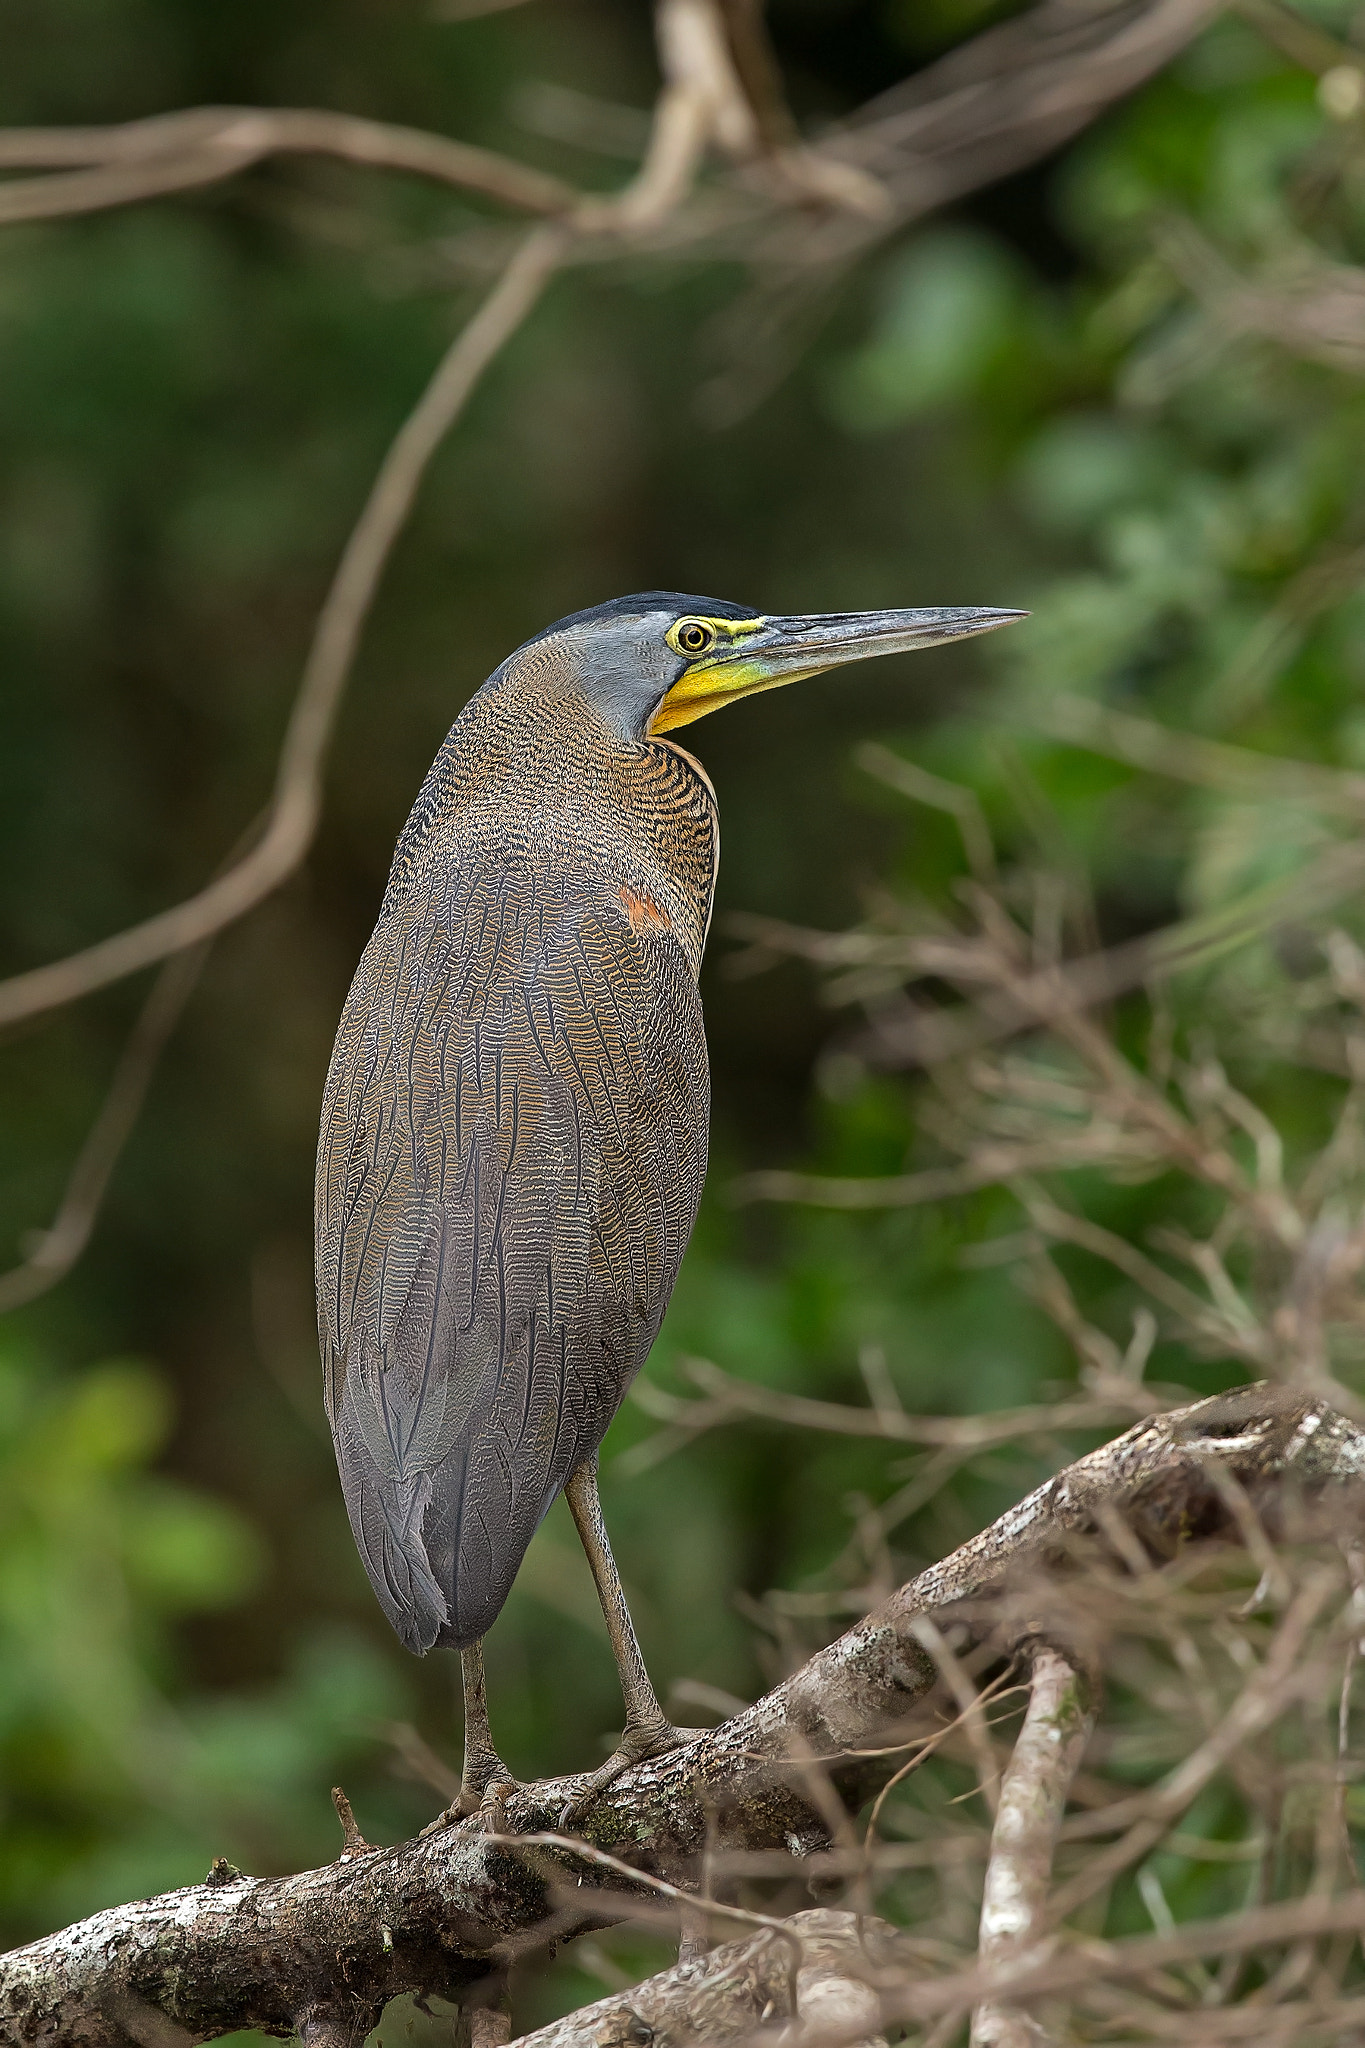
(701, 100)
(996, 103)
(987, 1167)
(1007, 997)
(202, 145)
(59, 1246)
(757, 70)
(1033, 1799)
(728, 1396)
(293, 816)
(601, 1859)
(963, 805)
(1284, 1676)
(1248, 1342)
(1189, 757)
(424, 1915)
(471, 10)
(971, 1707)
(1048, 997)
(1043, 1974)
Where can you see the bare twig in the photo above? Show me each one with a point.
(963, 805)
(200, 146)
(241, 1951)
(293, 815)
(728, 1397)
(59, 1246)
(353, 1842)
(1008, 998)
(1284, 1676)
(970, 1707)
(1190, 757)
(988, 1165)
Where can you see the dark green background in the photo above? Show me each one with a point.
(194, 395)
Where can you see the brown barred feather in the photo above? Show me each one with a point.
(513, 1136)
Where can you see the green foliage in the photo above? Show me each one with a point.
(118, 1778)
(191, 400)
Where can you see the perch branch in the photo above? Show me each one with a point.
(436, 1913)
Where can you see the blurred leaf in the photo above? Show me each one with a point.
(951, 305)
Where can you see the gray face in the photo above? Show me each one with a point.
(677, 658)
(624, 667)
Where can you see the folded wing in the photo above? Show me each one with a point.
(513, 1145)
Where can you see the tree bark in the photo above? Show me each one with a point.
(821, 1977)
(1033, 1798)
(328, 1948)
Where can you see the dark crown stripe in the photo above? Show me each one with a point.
(679, 602)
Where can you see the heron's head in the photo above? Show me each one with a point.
(660, 658)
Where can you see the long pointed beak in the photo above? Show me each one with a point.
(768, 652)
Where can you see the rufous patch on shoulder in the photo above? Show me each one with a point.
(643, 910)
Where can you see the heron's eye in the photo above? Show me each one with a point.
(693, 636)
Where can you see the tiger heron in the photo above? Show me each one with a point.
(514, 1127)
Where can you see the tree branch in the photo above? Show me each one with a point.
(1011, 95)
(436, 1913)
(293, 815)
(1032, 1802)
(731, 1992)
(997, 102)
(57, 1248)
(202, 145)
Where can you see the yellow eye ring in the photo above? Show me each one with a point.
(693, 636)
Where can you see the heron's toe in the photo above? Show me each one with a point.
(637, 1745)
(492, 1806)
(443, 1820)
(484, 1793)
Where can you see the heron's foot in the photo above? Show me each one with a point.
(637, 1744)
(485, 1790)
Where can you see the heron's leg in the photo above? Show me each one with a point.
(648, 1730)
(485, 1780)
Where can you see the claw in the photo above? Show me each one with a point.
(492, 1807)
(635, 1747)
(484, 1794)
(443, 1820)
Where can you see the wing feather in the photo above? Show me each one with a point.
(513, 1145)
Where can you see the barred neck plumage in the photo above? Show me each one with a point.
(533, 770)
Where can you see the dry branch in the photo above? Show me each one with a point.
(728, 1397)
(988, 109)
(1009, 998)
(1013, 94)
(177, 152)
(294, 810)
(729, 1994)
(436, 1913)
(1033, 1799)
(992, 106)
(58, 1247)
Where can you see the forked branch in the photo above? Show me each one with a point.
(436, 1913)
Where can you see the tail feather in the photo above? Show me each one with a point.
(387, 1522)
